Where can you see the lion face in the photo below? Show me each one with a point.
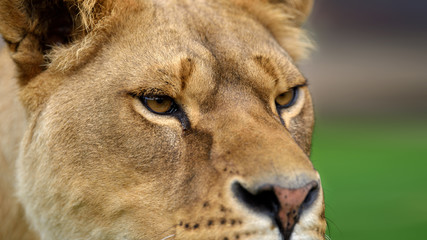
(179, 120)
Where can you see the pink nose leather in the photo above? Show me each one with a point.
(290, 203)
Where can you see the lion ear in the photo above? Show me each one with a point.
(283, 18)
(32, 28)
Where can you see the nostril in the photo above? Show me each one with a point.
(264, 201)
(311, 196)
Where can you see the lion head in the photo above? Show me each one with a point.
(164, 119)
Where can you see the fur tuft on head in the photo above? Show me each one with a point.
(284, 19)
(91, 11)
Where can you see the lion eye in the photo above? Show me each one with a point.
(159, 104)
(286, 99)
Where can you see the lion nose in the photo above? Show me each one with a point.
(283, 205)
(292, 203)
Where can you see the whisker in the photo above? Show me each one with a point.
(164, 232)
(173, 235)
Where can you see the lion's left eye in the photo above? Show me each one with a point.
(286, 99)
(159, 104)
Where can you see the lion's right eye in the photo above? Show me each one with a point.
(286, 99)
(159, 104)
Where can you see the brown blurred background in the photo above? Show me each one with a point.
(371, 57)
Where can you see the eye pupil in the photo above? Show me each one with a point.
(286, 99)
(159, 104)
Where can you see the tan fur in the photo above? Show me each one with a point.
(82, 158)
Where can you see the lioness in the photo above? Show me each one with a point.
(156, 119)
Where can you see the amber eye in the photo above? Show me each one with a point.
(286, 99)
(159, 104)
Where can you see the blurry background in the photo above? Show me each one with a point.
(368, 78)
(369, 84)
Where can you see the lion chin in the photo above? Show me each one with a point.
(156, 119)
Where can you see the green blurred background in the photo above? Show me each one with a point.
(374, 177)
(368, 77)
